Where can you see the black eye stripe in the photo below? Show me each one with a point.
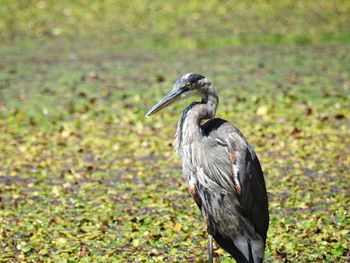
(188, 81)
(194, 77)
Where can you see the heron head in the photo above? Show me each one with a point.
(188, 85)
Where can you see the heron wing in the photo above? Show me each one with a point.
(245, 172)
(253, 198)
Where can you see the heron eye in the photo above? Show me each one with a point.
(188, 85)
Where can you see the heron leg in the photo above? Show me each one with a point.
(210, 248)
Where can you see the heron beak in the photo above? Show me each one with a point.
(166, 101)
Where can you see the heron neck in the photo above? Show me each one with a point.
(207, 107)
(189, 126)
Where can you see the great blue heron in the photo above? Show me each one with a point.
(224, 174)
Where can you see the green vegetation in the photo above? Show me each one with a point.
(172, 23)
(85, 177)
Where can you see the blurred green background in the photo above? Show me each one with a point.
(85, 177)
(185, 24)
